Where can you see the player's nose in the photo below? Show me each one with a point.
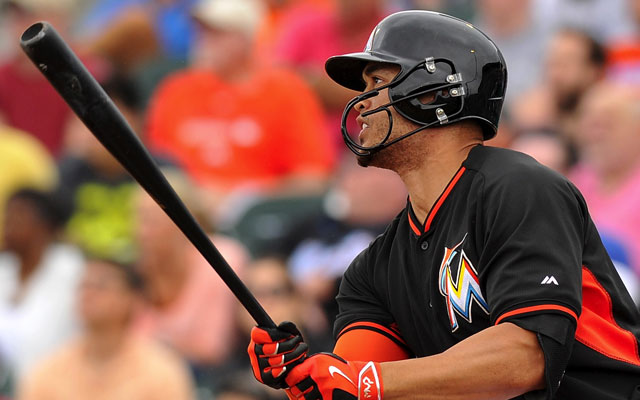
(363, 105)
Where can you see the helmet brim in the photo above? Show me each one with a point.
(346, 70)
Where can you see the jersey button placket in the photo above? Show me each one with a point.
(424, 245)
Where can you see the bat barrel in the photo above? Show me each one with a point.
(57, 62)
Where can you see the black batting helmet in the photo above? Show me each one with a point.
(437, 54)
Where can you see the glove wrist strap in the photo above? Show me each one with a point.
(369, 382)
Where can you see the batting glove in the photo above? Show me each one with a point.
(326, 376)
(274, 352)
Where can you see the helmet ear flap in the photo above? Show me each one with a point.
(426, 100)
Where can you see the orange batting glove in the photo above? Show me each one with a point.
(274, 352)
(326, 376)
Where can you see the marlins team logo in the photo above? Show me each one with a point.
(459, 285)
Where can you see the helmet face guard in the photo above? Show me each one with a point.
(437, 54)
(448, 95)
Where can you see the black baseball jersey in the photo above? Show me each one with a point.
(508, 240)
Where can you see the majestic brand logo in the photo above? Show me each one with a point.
(334, 370)
(460, 286)
(549, 280)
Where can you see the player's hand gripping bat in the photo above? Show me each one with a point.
(87, 99)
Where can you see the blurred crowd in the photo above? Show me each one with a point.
(102, 297)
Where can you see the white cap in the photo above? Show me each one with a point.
(232, 15)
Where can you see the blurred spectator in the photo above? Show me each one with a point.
(24, 92)
(107, 361)
(38, 279)
(326, 245)
(608, 174)
(234, 125)
(460, 8)
(128, 43)
(97, 188)
(521, 39)
(623, 60)
(6, 47)
(269, 280)
(278, 14)
(131, 43)
(187, 305)
(546, 146)
(315, 35)
(171, 20)
(622, 261)
(243, 386)
(574, 62)
(24, 162)
(507, 131)
(605, 19)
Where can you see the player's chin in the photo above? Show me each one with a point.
(364, 160)
(383, 158)
(370, 160)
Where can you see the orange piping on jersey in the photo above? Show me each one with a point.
(413, 226)
(598, 329)
(372, 325)
(442, 198)
(544, 307)
(362, 344)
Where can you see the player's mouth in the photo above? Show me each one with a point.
(362, 124)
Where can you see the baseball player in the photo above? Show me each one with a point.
(493, 282)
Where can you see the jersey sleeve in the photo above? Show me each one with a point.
(534, 230)
(357, 299)
(534, 227)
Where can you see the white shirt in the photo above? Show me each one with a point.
(44, 317)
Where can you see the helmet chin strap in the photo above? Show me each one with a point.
(360, 150)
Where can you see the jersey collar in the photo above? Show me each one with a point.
(419, 228)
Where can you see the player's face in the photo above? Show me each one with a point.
(374, 127)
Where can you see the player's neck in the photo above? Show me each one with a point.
(427, 182)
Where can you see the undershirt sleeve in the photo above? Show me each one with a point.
(367, 341)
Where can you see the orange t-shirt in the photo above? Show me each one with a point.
(231, 136)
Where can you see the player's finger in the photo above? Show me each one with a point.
(290, 395)
(307, 390)
(277, 372)
(290, 327)
(265, 335)
(290, 358)
(279, 347)
(296, 375)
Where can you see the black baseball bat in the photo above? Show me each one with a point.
(62, 68)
